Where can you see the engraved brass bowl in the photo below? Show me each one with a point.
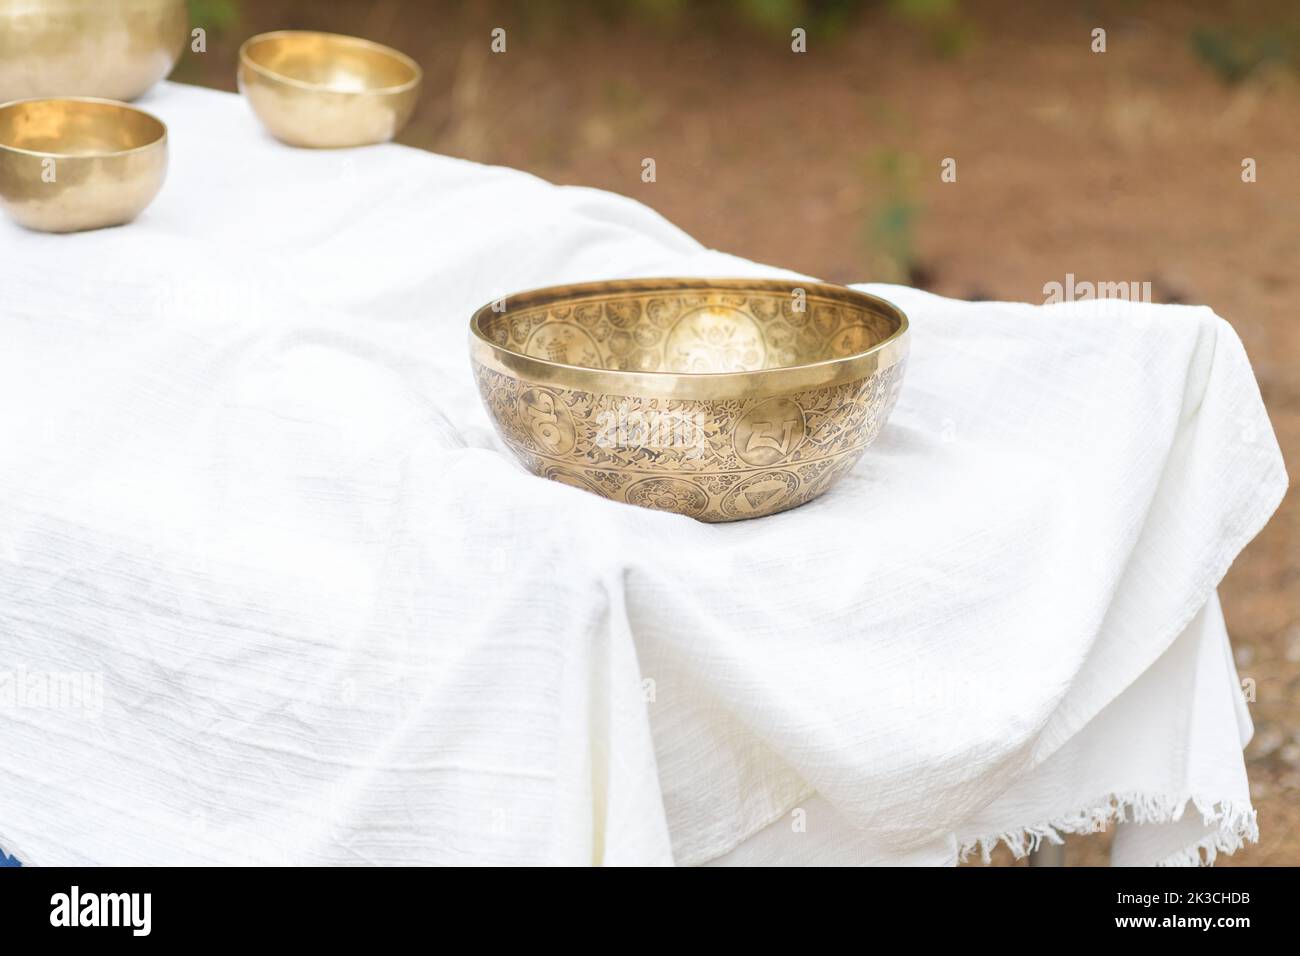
(79, 163)
(324, 90)
(115, 49)
(720, 399)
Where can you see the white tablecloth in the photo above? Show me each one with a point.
(248, 491)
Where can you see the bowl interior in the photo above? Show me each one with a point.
(692, 328)
(336, 63)
(71, 127)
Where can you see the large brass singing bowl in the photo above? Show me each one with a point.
(324, 90)
(115, 49)
(720, 399)
(73, 164)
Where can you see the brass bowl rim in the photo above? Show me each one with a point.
(707, 386)
(268, 73)
(99, 154)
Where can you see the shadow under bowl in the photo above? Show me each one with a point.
(72, 164)
(324, 90)
(721, 399)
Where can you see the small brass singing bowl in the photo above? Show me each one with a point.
(326, 91)
(721, 399)
(67, 165)
(115, 49)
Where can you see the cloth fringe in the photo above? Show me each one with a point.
(1235, 824)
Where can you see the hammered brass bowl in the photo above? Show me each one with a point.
(323, 90)
(115, 49)
(79, 163)
(720, 399)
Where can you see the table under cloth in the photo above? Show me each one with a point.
(248, 495)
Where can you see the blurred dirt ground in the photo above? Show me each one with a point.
(1115, 166)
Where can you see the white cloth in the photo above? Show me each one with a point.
(1185, 773)
(245, 479)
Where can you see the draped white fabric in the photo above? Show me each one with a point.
(247, 490)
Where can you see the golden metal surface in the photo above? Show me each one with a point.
(115, 49)
(720, 399)
(79, 163)
(324, 90)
